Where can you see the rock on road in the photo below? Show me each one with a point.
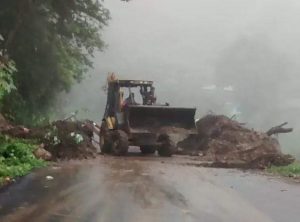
(117, 189)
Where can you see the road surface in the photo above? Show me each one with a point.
(128, 189)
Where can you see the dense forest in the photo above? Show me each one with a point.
(45, 47)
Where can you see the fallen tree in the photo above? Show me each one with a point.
(279, 129)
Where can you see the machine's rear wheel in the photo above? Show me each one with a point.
(119, 143)
(166, 147)
(148, 149)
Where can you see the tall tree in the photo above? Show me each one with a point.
(52, 43)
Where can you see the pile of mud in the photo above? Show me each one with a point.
(15, 131)
(63, 139)
(220, 142)
(227, 143)
(67, 139)
(4, 124)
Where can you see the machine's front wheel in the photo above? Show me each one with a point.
(104, 139)
(148, 149)
(105, 145)
(119, 143)
(166, 147)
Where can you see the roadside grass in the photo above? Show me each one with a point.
(17, 158)
(291, 170)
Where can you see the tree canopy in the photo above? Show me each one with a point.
(52, 43)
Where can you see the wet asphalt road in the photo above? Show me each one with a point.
(111, 189)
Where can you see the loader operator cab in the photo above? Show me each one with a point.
(143, 94)
(134, 92)
(123, 93)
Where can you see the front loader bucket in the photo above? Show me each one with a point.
(154, 118)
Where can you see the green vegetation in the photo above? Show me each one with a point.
(6, 80)
(292, 170)
(16, 158)
(52, 43)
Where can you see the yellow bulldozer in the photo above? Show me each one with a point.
(146, 124)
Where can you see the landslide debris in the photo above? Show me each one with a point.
(227, 143)
(221, 142)
(63, 139)
(66, 139)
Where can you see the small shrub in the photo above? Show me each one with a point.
(16, 157)
(292, 170)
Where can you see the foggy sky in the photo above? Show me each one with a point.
(251, 45)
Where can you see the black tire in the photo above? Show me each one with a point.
(148, 149)
(104, 139)
(119, 143)
(105, 144)
(166, 147)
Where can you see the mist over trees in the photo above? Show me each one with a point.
(256, 71)
(51, 44)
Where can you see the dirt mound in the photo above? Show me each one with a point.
(227, 143)
(64, 139)
(9, 129)
(67, 139)
(4, 124)
(221, 142)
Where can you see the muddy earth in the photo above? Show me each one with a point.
(139, 188)
(217, 139)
